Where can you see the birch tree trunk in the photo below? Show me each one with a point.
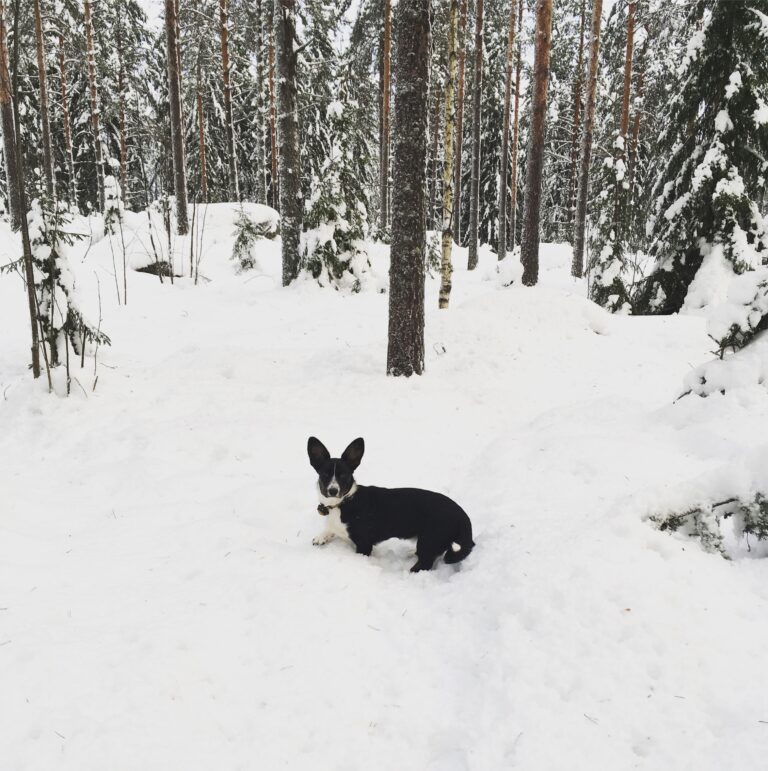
(94, 101)
(502, 247)
(177, 134)
(446, 268)
(405, 350)
(9, 130)
(234, 182)
(578, 87)
(462, 34)
(66, 122)
(477, 92)
(45, 122)
(529, 243)
(291, 202)
(516, 126)
(577, 268)
(385, 101)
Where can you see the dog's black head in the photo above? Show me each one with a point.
(335, 478)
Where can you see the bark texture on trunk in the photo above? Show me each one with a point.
(386, 59)
(446, 267)
(477, 91)
(502, 247)
(405, 350)
(9, 130)
(16, 187)
(578, 87)
(234, 182)
(66, 122)
(433, 162)
(516, 127)
(529, 243)
(177, 133)
(45, 120)
(94, 101)
(274, 186)
(577, 268)
(291, 201)
(462, 35)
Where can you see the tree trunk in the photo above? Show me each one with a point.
(621, 145)
(502, 247)
(291, 203)
(66, 122)
(433, 163)
(405, 350)
(477, 93)
(459, 123)
(121, 120)
(385, 101)
(201, 131)
(577, 92)
(16, 186)
(516, 126)
(234, 183)
(274, 181)
(258, 55)
(446, 267)
(529, 243)
(9, 131)
(177, 132)
(577, 268)
(45, 122)
(95, 130)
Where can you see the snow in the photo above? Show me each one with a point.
(723, 122)
(161, 602)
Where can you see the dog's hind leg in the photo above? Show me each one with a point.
(426, 552)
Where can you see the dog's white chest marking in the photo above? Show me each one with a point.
(334, 528)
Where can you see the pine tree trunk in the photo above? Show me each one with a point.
(66, 123)
(291, 203)
(459, 123)
(449, 110)
(9, 131)
(502, 247)
(529, 243)
(405, 350)
(177, 132)
(234, 182)
(577, 268)
(15, 186)
(385, 101)
(258, 55)
(94, 101)
(434, 162)
(477, 93)
(274, 181)
(516, 127)
(578, 87)
(45, 122)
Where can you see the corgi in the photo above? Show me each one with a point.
(365, 516)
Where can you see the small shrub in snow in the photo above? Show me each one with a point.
(248, 232)
(749, 517)
(113, 204)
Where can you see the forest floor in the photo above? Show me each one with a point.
(162, 605)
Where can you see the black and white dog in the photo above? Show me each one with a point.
(366, 516)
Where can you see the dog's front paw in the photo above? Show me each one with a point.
(323, 539)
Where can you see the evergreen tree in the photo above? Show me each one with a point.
(708, 193)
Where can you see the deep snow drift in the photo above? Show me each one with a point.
(161, 603)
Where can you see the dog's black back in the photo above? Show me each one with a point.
(375, 514)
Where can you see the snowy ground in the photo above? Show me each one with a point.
(162, 607)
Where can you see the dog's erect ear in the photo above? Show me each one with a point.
(317, 453)
(354, 453)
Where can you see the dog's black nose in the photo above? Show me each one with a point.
(333, 492)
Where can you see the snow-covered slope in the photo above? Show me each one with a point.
(162, 606)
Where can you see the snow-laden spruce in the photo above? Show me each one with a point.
(708, 194)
